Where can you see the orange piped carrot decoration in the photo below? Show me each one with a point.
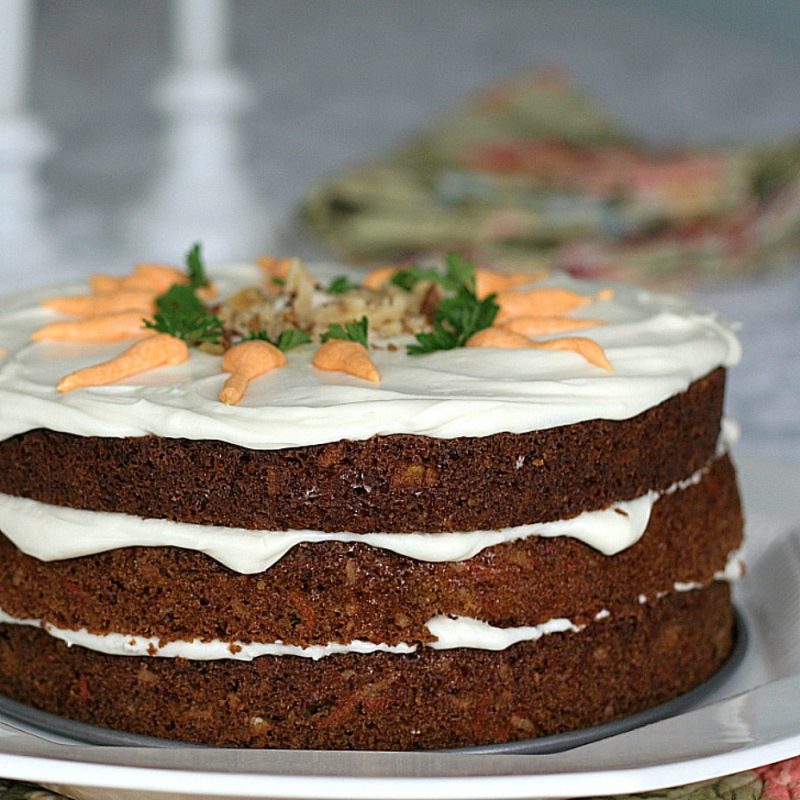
(340, 355)
(103, 284)
(102, 328)
(506, 339)
(588, 348)
(275, 267)
(247, 361)
(498, 337)
(111, 303)
(155, 278)
(377, 277)
(544, 302)
(160, 350)
(487, 281)
(543, 326)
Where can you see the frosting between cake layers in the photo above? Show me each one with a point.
(451, 632)
(656, 344)
(52, 533)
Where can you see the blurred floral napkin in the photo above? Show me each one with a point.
(532, 172)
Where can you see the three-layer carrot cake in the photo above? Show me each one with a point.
(429, 508)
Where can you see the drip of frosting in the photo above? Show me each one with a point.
(453, 632)
(656, 344)
(52, 533)
(729, 433)
(734, 568)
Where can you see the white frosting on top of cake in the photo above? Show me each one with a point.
(657, 345)
(51, 533)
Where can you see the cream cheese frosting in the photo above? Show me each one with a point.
(52, 533)
(657, 345)
(451, 632)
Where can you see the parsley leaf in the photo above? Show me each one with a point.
(279, 282)
(288, 339)
(182, 314)
(341, 285)
(291, 338)
(407, 279)
(459, 272)
(456, 319)
(459, 316)
(352, 331)
(195, 268)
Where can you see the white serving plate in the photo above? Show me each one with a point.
(753, 719)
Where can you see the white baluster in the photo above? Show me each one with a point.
(26, 246)
(202, 192)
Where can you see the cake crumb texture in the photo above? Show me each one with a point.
(562, 682)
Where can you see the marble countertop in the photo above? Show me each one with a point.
(338, 81)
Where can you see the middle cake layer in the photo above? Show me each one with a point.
(341, 591)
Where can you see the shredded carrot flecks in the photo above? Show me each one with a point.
(487, 281)
(498, 337)
(247, 361)
(543, 326)
(159, 350)
(102, 328)
(588, 348)
(544, 302)
(111, 303)
(338, 355)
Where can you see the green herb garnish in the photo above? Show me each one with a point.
(457, 317)
(182, 314)
(279, 282)
(341, 285)
(459, 272)
(195, 268)
(351, 332)
(288, 339)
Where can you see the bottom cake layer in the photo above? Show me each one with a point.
(424, 700)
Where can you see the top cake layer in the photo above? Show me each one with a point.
(657, 345)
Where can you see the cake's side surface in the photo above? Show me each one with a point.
(455, 555)
(336, 592)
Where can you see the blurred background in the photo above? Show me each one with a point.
(653, 140)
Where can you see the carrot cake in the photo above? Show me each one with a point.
(432, 507)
